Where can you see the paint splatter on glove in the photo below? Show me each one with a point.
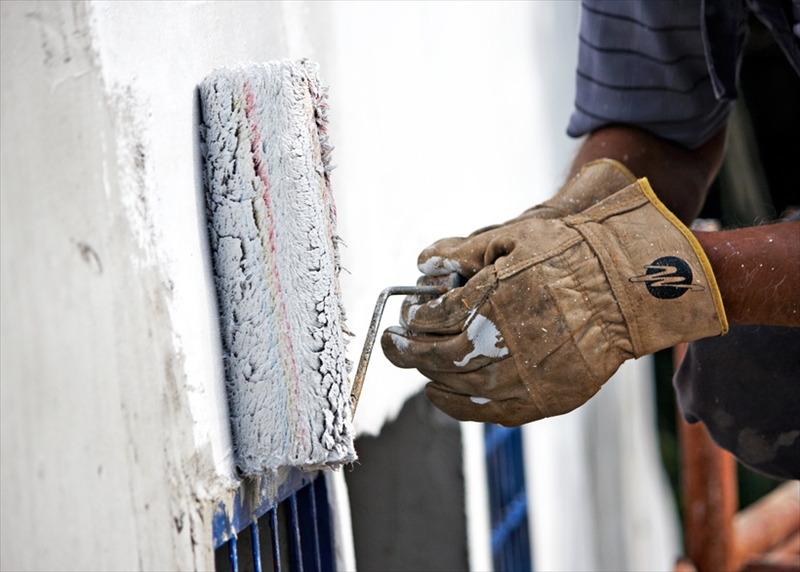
(559, 305)
(595, 181)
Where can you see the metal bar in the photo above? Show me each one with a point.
(294, 526)
(372, 332)
(323, 524)
(510, 540)
(254, 498)
(497, 436)
(515, 514)
(315, 526)
(256, 546)
(494, 475)
(233, 555)
(276, 549)
(506, 477)
(709, 486)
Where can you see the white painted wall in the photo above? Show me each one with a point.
(115, 445)
(99, 466)
(436, 115)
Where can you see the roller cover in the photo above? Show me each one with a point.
(272, 226)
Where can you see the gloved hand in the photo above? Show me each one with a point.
(559, 305)
(595, 181)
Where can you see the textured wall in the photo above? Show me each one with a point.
(96, 431)
(115, 439)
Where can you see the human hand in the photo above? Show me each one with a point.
(555, 309)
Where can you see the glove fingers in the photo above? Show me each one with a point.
(470, 255)
(489, 381)
(451, 312)
(453, 353)
(510, 412)
(446, 314)
(462, 255)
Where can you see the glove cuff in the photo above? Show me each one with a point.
(656, 268)
(705, 264)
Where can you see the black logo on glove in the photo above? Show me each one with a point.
(667, 278)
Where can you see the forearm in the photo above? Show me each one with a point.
(758, 272)
(679, 177)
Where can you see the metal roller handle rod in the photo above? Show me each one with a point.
(372, 333)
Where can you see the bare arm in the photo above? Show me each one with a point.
(679, 177)
(758, 272)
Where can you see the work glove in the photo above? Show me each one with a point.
(557, 308)
(593, 183)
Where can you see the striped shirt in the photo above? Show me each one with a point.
(668, 66)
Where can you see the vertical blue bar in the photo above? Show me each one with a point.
(276, 549)
(506, 481)
(323, 525)
(233, 555)
(315, 522)
(294, 525)
(256, 546)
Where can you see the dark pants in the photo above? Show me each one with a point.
(745, 387)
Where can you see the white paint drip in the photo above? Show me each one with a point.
(412, 311)
(398, 338)
(484, 336)
(438, 266)
(436, 301)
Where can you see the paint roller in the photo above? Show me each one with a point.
(272, 231)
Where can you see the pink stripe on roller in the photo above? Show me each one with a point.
(252, 117)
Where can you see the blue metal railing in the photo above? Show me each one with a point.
(508, 501)
(293, 535)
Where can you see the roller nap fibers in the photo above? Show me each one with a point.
(272, 224)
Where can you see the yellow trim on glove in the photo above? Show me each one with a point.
(619, 166)
(647, 190)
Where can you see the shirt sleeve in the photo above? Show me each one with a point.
(644, 64)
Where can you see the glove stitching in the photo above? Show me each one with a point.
(632, 199)
(526, 263)
(535, 397)
(594, 310)
(598, 248)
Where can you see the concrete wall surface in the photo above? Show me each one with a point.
(113, 423)
(99, 465)
(115, 442)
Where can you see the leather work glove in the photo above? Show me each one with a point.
(595, 181)
(559, 305)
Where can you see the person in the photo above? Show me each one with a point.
(557, 298)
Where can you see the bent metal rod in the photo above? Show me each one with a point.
(426, 286)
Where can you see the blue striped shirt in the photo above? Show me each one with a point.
(667, 66)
